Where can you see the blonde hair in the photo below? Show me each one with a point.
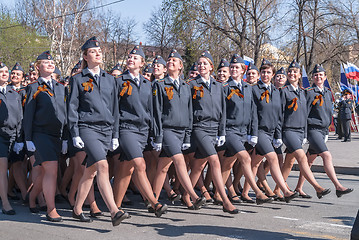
(210, 62)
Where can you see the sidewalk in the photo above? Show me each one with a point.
(345, 156)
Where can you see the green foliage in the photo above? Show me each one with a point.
(19, 43)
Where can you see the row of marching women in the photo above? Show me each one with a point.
(126, 129)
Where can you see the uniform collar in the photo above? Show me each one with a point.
(265, 86)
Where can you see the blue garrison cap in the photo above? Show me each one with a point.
(281, 71)
(31, 67)
(251, 66)
(194, 67)
(223, 63)
(148, 69)
(160, 60)
(17, 66)
(117, 67)
(265, 62)
(207, 54)
(318, 68)
(137, 50)
(175, 54)
(91, 43)
(294, 64)
(44, 56)
(237, 59)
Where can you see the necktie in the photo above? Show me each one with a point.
(3, 90)
(207, 84)
(50, 84)
(175, 83)
(136, 81)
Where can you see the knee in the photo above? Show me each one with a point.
(102, 167)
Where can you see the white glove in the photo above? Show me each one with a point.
(326, 138)
(304, 141)
(277, 143)
(157, 146)
(78, 142)
(114, 144)
(220, 141)
(253, 140)
(185, 146)
(64, 147)
(18, 147)
(30, 146)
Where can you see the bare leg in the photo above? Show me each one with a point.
(49, 186)
(4, 184)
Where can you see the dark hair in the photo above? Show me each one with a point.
(267, 66)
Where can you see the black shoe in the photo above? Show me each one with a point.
(81, 217)
(307, 196)
(96, 214)
(234, 200)
(262, 201)
(10, 212)
(119, 217)
(174, 197)
(291, 197)
(34, 210)
(217, 202)
(150, 209)
(323, 193)
(199, 203)
(234, 211)
(341, 193)
(161, 210)
(209, 200)
(246, 200)
(58, 219)
(191, 207)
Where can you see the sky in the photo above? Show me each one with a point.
(138, 9)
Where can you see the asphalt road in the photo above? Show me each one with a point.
(328, 218)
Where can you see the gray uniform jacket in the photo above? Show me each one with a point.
(45, 109)
(209, 105)
(345, 109)
(172, 108)
(92, 102)
(267, 110)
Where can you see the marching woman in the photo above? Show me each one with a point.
(136, 111)
(209, 120)
(268, 112)
(319, 106)
(93, 124)
(173, 125)
(294, 126)
(44, 121)
(10, 125)
(239, 103)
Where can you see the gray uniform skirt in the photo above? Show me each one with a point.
(205, 140)
(97, 141)
(316, 139)
(265, 143)
(172, 142)
(132, 143)
(5, 144)
(234, 143)
(48, 148)
(293, 139)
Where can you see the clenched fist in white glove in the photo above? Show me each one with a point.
(78, 142)
(30, 146)
(185, 146)
(220, 141)
(114, 144)
(277, 143)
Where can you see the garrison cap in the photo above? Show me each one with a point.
(251, 66)
(237, 59)
(265, 62)
(2, 65)
(148, 69)
(45, 56)
(158, 59)
(137, 50)
(208, 55)
(17, 66)
(194, 67)
(281, 71)
(31, 67)
(117, 67)
(175, 54)
(294, 64)
(318, 68)
(91, 43)
(223, 63)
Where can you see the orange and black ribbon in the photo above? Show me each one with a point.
(24, 101)
(235, 91)
(169, 91)
(196, 89)
(294, 104)
(126, 87)
(42, 89)
(265, 95)
(318, 98)
(87, 85)
(0, 101)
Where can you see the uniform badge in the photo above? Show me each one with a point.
(49, 57)
(134, 51)
(154, 92)
(96, 43)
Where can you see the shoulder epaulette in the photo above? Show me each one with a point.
(301, 87)
(310, 88)
(190, 80)
(32, 82)
(77, 73)
(59, 82)
(161, 80)
(225, 84)
(284, 87)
